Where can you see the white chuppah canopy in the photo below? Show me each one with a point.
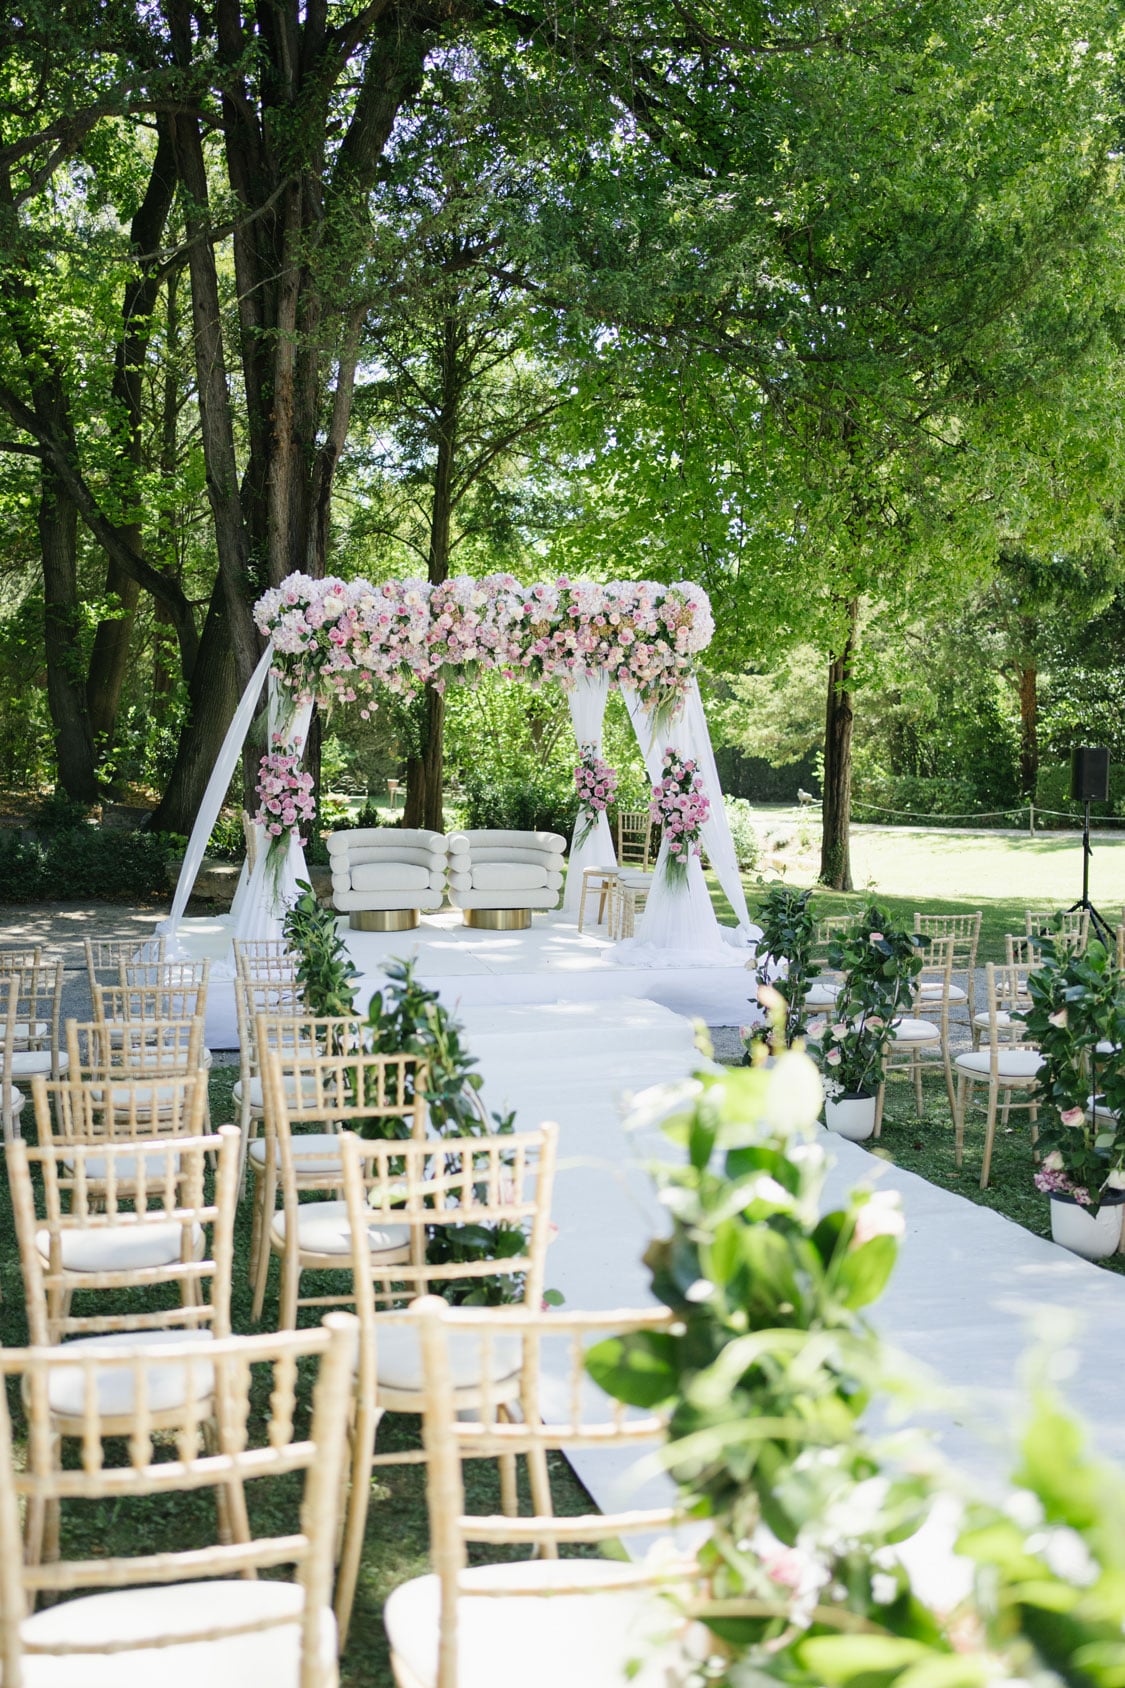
(344, 641)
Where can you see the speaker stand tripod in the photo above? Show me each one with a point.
(1101, 926)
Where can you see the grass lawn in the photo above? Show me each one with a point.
(956, 873)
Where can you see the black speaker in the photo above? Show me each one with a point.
(1089, 775)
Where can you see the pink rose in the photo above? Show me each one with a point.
(833, 1057)
(1072, 1116)
(876, 938)
(1058, 1018)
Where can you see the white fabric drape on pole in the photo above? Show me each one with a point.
(679, 927)
(717, 840)
(587, 698)
(221, 775)
(272, 886)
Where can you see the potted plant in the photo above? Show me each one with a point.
(785, 958)
(879, 965)
(1077, 1019)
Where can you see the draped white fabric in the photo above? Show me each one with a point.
(679, 927)
(221, 775)
(587, 698)
(272, 885)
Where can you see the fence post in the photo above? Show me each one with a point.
(1031, 819)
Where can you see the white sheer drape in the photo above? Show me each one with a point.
(587, 698)
(223, 772)
(679, 927)
(272, 885)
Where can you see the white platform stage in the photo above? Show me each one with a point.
(551, 961)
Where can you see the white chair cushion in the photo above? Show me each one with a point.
(1002, 1020)
(289, 1085)
(120, 1248)
(125, 1166)
(322, 1228)
(821, 994)
(597, 1640)
(25, 1062)
(389, 876)
(508, 876)
(636, 879)
(491, 837)
(269, 1656)
(322, 1145)
(398, 1358)
(1014, 1063)
(933, 989)
(915, 1031)
(167, 1385)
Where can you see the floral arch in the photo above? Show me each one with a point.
(345, 641)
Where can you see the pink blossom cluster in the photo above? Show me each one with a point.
(285, 793)
(1053, 1181)
(681, 807)
(595, 781)
(340, 639)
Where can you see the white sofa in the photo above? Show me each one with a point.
(497, 878)
(384, 876)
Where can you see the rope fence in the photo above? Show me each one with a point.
(1028, 812)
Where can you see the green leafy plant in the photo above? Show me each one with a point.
(1077, 1020)
(325, 970)
(879, 964)
(788, 935)
(406, 1017)
(765, 1377)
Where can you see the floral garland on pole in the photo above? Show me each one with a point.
(286, 801)
(681, 807)
(596, 784)
(341, 640)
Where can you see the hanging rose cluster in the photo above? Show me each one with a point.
(285, 795)
(341, 640)
(596, 784)
(681, 808)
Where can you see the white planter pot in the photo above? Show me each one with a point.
(850, 1116)
(1092, 1235)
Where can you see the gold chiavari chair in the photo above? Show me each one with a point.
(271, 989)
(74, 1110)
(1003, 1066)
(501, 1182)
(106, 957)
(964, 929)
(610, 1619)
(926, 1028)
(385, 1092)
(1069, 930)
(175, 1611)
(30, 1001)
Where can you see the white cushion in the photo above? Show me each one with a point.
(348, 901)
(1105, 1047)
(398, 1358)
(915, 1031)
(389, 876)
(508, 876)
(125, 1166)
(598, 1640)
(26, 1062)
(269, 1656)
(167, 1385)
(933, 988)
(322, 1145)
(636, 879)
(490, 837)
(821, 994)
(1013, 1062)
(322, 1228)
(289, 1085)
(120, 1248)
(547, 897)
(1002, 1019)
(392, 837)
(531, 856)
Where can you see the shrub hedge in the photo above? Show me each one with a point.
(86, 861)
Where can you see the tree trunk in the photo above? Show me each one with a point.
(66, 693)
(835, 850)
(1029, 728)
(110, 656)
(212, 699)
(425, 773)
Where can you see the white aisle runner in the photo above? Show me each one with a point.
(970, 1288)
